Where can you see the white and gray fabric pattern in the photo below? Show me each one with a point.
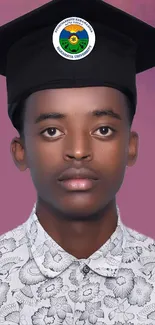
(42, 284)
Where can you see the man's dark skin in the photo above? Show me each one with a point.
(80, 222)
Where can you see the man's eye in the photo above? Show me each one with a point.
(54, 132)
(104, 131)
(51, 132)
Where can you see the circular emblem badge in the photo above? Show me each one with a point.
(74, 38)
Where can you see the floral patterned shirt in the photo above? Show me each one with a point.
(41, 284)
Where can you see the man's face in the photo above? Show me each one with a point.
(98, 143)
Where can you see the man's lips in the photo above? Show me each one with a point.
(78, 184)
(73, 173)
(78, 179)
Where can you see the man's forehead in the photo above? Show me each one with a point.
(88, 93)
(76, 101)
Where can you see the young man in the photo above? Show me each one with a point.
(70, 69)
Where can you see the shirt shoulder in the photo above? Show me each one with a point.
(136, 238)
(13, 255)
(11, 240)
(139, 250)
(11, 243)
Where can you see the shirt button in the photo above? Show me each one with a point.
(86, 269)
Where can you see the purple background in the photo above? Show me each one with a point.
(136, 198)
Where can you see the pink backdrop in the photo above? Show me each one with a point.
(136, 198)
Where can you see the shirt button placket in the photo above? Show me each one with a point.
(86, 269)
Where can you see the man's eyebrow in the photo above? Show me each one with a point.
(46, 116)
(106, 112)
(95, 113)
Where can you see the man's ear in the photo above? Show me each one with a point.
(18, 153)
(133, 148)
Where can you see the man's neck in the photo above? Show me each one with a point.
(80, 239)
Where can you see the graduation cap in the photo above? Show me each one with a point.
(74, 43)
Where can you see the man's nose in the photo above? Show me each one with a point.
(78, 147)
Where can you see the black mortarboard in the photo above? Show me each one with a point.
(74, 43)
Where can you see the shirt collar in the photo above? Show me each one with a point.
(52, 259)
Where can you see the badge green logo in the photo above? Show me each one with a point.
(74, 38)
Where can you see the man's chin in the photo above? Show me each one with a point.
(80, 211)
